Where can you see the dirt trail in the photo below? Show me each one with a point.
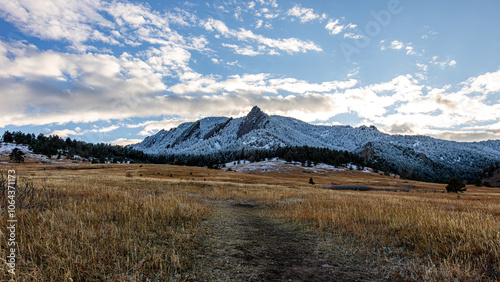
(246, 245)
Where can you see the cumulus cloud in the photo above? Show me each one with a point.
(246, 50)
(442, 64)
(109, 87)
(153, 126)
(256, 83)
(305, 14)
(486, 83)
(95, 82)
(80, 82)
(396, 45)
(399, 45)
(290, 45)
(78, 132)
(352, 35)
(71, 20)
(334, 27)
(81, 22)
(125, 141)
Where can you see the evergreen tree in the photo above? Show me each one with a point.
(455, 185)
(17, 155)
(7, 137)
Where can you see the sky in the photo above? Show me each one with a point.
(118, 71)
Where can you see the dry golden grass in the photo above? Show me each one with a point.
(126, 222)
(101, 226)
(459, 237)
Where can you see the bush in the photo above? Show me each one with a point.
(455, 185)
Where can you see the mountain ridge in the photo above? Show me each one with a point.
(258, 131)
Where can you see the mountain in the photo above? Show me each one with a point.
(427, 157)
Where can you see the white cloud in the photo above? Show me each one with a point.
(79, 132)
(396, 45)
(422, 67)
(246, 51)
(63, 133)
(410, 50)
(429, 34)
(153, 126)
(259, 23)
(233, 63)
(440, 109)
(125, 141)
(334, 27)
(485, 83)
(271, 3)
(442, 64)
(71, 20)
(107, 129)
(352, 35)
(305, 14)
(256, 83)
(351, 26)
(290, 45)
(97, 82)
(92, 84)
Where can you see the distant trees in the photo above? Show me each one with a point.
(301, 154)
(7, 137)
(56, 146)
(17, 155)
(455, 185)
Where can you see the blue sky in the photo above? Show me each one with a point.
(117, 71)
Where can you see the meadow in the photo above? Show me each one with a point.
(149, 222)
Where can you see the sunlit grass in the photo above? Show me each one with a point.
(109, 224)
(107, 228)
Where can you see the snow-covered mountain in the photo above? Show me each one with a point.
(425, 155)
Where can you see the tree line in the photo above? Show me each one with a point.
(305, 155)
(55, 147)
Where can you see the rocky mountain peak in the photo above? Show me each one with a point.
(255, 110)
(255, 119)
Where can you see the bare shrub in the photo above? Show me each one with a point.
(27, 196)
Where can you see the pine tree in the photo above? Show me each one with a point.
(7, 137)
(17, 155)
(455, 185)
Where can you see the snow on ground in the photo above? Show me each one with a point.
(6, 149)
(262, 166)
(277, 165)
(235, 163)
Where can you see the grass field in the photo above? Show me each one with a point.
(150, 222)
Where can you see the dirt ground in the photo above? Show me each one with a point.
(246, 245)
